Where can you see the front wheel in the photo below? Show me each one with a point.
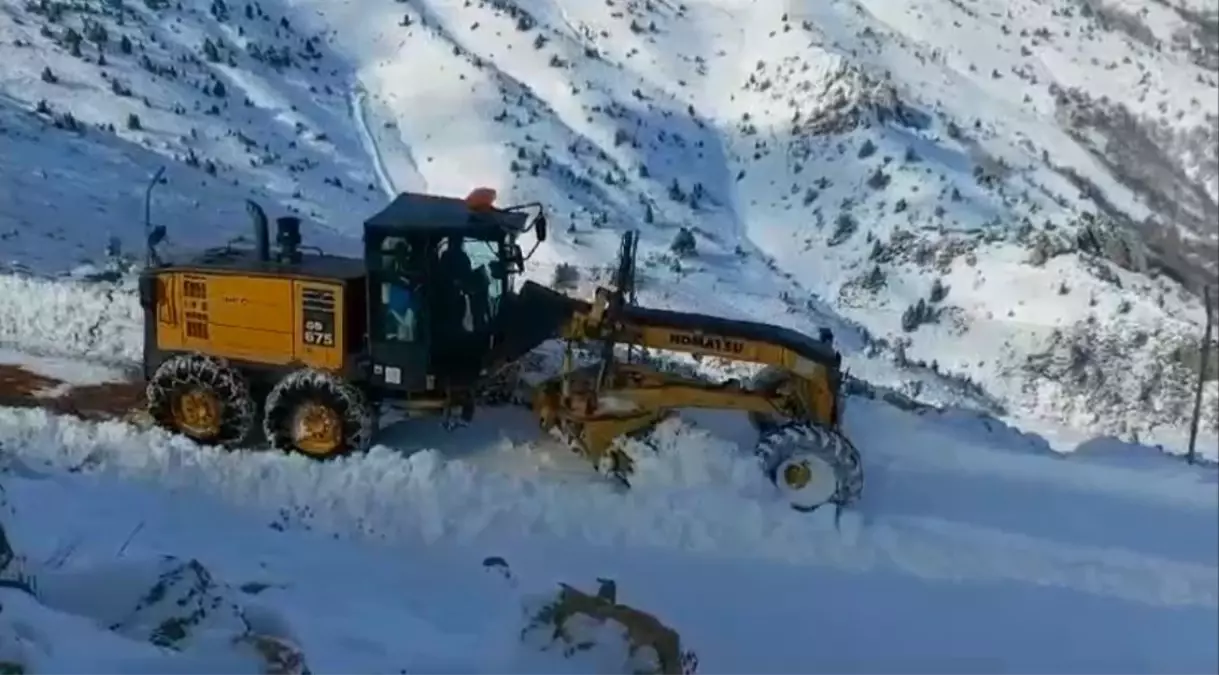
(811, 465)
(319, 415)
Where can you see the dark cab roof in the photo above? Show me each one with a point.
(412, 212)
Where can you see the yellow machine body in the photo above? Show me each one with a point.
(816, 394)
(274, 321)
(595, 405)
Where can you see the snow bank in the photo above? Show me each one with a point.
(1111, 450)
(426, 497)
(36, 638)
(49, 640)
(160, 614)
(100, 321)
(368, 607)
(65, 608)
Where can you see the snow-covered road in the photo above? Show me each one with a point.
(980, 539)
(702, 493)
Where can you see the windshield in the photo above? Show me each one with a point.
(400, 316)
(425, 288)
(468, 268)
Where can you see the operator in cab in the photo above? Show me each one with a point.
(400, 299)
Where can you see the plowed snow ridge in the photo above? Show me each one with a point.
(697, 495)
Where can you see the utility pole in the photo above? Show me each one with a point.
(1203, 363)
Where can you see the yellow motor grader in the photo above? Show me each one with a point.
(306, 348)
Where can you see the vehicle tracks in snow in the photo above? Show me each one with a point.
(394, 172)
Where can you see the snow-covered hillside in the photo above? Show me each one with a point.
(982, 219)
(845, 156)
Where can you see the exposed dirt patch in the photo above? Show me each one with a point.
(16, 381)
(21, 388)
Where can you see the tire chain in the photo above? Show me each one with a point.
(213, 373)
(316, 380)
(828, 445)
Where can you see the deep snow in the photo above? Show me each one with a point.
(1016, 557)
(1011, 559)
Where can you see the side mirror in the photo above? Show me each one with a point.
(539, 227)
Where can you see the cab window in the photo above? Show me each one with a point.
(400, 312)
(399, 297)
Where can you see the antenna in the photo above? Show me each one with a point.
(151, 239)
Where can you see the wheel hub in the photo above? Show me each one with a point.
(807, 481)
(196, 413)
(797, 475)
(317, 429)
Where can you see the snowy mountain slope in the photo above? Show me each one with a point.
(67, 196)
(1125, 565)
(116, 90)
(774, 146)
(847, 165)
(655, 106)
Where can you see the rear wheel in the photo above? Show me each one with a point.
(317, 414)
(811, 466)
(203, 398)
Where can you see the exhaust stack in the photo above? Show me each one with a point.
(262, 236)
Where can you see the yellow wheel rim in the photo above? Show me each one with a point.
(197, 413)
(797, 475)
(317, 429)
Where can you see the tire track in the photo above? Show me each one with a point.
(358, 98)
(360, 115)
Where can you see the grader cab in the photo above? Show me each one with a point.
(307, 347)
